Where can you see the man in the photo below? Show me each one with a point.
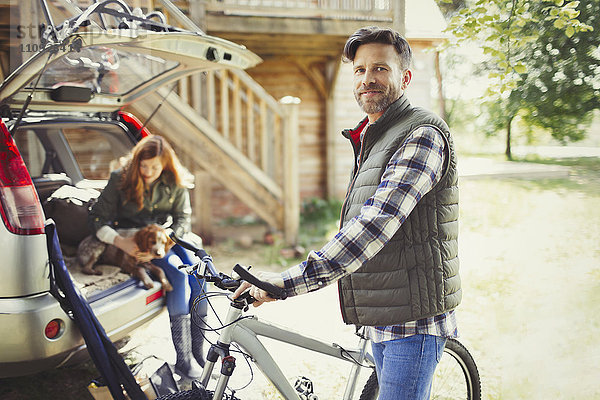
(395, 256)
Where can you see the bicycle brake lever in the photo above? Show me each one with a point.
(230, 284)
(242, 301)
(189, 269)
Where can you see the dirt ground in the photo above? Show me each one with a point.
(530, 264)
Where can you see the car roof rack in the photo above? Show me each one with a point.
(117, 11)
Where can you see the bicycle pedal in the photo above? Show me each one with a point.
(304, 387)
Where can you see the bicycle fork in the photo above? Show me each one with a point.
(221, 350)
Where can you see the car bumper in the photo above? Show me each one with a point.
(25, 349)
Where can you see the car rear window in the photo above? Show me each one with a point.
(77, 150)
(104, 70)
(98, 153)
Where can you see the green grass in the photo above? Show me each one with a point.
(585, 173)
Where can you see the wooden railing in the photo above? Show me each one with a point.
(366, 10)
(243, 114)
(272, 193)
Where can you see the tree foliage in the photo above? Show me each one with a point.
(562, 83)
(450, 7)
(543, 61)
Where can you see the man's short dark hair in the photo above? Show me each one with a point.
(374, 34)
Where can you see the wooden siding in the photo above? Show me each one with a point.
(346, 114)
(284, 78)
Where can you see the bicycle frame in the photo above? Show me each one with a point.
(245, 332)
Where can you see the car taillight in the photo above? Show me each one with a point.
(53, 328)
(21, 208)
(132, 120)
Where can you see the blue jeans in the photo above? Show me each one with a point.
(185, 287)
(405, 366)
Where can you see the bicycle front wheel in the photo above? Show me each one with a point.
(194, 394)
(456, 377)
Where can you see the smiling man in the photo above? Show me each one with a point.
(380, 76)
(395, 256)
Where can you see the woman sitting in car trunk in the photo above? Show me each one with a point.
(151, 189)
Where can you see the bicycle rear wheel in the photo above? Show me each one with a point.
(371, 389)
(456, 377)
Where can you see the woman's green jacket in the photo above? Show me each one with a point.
(165, 203)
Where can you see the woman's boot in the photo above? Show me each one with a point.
(181, 335)
(198, 327)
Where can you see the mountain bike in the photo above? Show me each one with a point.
(456, 376)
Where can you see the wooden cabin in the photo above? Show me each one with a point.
(275, 129)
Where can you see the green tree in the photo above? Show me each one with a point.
(542, 62)
(561, 87)
(450, 7)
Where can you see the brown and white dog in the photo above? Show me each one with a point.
(149, 239)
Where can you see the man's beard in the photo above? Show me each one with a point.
(373, 106)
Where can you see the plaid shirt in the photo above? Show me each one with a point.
(413, 170)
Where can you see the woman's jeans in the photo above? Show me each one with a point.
(186, 288)
(405, 366)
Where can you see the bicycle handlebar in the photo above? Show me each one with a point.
(223, 281)
(274, 291)
(185, 244)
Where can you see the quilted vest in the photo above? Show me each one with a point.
(415, 275)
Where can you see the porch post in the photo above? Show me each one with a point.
(291, 189)
(202, 207)
(399, 22)
(331, 108)
(197, 11)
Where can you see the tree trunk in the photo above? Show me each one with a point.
(441, 98)
(507, 150)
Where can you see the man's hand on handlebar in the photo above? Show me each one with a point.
(260, 295)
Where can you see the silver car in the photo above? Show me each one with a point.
(69, 134)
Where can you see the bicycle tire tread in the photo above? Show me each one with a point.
(469, 361)
(194, 394)
(371, 388)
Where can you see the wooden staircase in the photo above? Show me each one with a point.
(248, 146)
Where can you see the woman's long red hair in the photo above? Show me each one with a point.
(149, 147)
